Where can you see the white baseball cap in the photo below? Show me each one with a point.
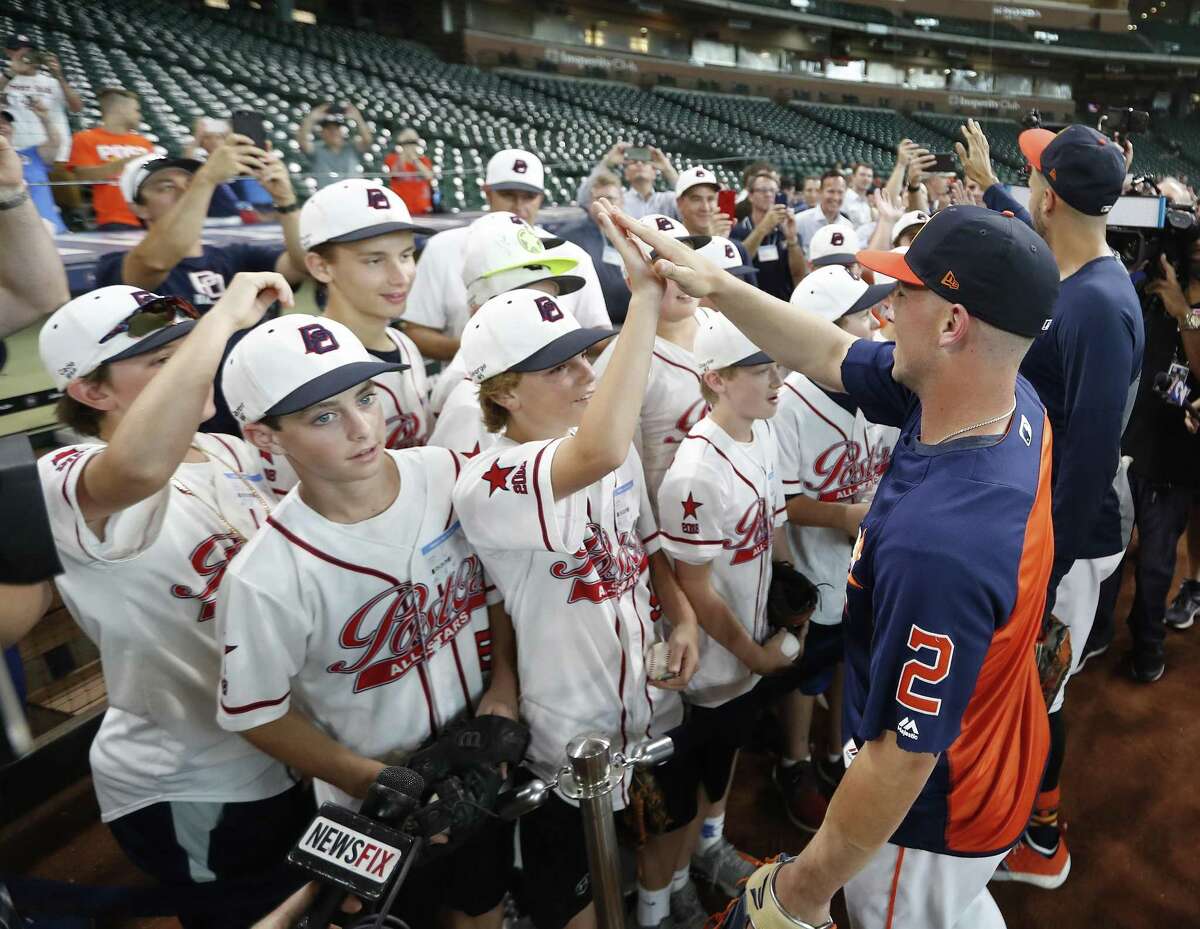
(292, 362)
(833, 292)
(138, 171)
(505, 253)
(109, 324)
(515, 169)
(353, 210)
(725, 255)
(907, 221)
(694, 177)
(523, 330)
(835, 244)
(672, 227)
(720, 344)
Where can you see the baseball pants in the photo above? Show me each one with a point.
(906, 888)
(1075, 605)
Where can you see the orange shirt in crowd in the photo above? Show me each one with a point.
(409, 184)
(96, 146)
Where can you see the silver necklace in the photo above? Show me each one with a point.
(987, 422)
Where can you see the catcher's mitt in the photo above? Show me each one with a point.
(791, 598)
(1054, 657)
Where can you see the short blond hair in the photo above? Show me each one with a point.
(710, 396)
(495, 415)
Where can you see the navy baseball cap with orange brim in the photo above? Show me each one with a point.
(1081, 165)
(992, 263)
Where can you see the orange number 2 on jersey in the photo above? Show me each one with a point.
(915, 670)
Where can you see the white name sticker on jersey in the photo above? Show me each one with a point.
(340, 845)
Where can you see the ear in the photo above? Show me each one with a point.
(97, 396)
(714, 382)
(318, 268)
(954, 327)
(509, 400)
(1049, 200)
(263, 437)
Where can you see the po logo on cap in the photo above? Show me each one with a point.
(729, 252)
(519, 166)
(549, 309)
(664, 224)
(377, 199)
(837, 239)
(142, 297)
(317, 339)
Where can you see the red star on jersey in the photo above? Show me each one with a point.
(690, 505)
(497, 477)
(475, 451)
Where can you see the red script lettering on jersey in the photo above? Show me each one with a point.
(618, 567)
(209, 559)
(400, 626)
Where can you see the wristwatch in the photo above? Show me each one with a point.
(290, 208)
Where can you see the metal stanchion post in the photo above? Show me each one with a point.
(592, 772)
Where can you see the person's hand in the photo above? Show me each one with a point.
(38, 105)
(720, 224)
(853, 516)
(1167, 289)
(237, 156)
(11, 173)
(51, 63)
(637, 267)
(1191, 416)
(659, 159)
(771, 659)
(773, 217)
(615, 156)
(249, 295)
(289, 913)
(320, 109)
(275, 177)
(976, 155)
(498, 701)
(683, 650)
(695, 274)
(1127, 150)
(789, 224)
(887, 206)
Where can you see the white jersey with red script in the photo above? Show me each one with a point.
(375, 631)
(144, 590)
(404, 396)
(574, 576)
(459, 426)
(826, 452)
(719, 504)
(671, 405)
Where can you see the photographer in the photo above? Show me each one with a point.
(1084, 366)
(639, 166)
(1165, 474)
(411, 172)
(330, 158)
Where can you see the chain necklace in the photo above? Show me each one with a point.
(229, 527)
(987, 422)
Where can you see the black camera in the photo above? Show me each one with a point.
(1124, 121)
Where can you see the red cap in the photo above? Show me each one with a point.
(1033, 142)
(890, 263)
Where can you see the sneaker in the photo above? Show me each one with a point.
(723, 867)
(686, 909)
(830, 771)
(1146, 666)
(1185, 607)
(1029, 863)
(1094, 652)
(802, 798)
